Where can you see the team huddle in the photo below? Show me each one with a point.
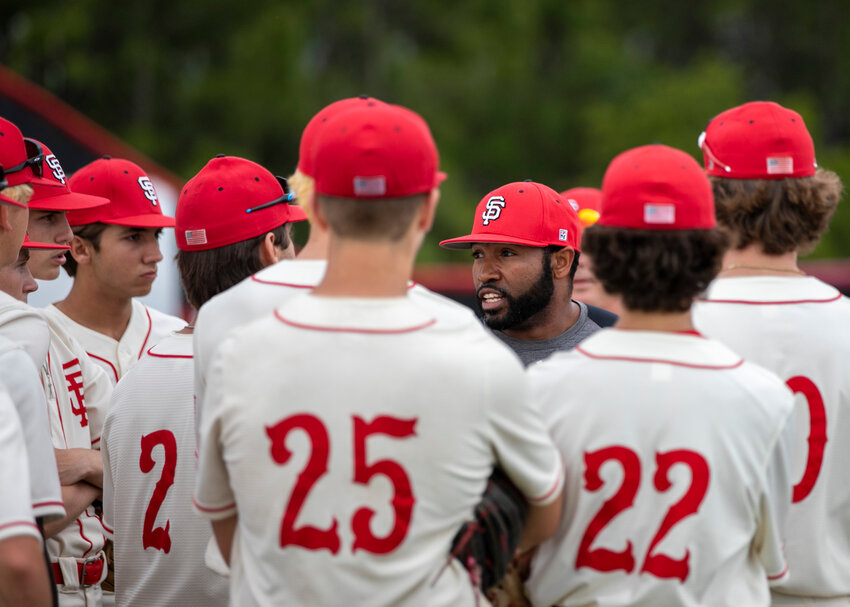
(645, 407)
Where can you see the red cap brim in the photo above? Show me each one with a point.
(7, 200)
(296, 213)
(70, 201)
(31, 244)
(148, 220)
(466, 242)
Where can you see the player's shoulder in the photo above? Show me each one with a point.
(161, 320)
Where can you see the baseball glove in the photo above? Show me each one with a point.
(486, 545)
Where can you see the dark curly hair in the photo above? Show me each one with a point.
(781, 215)
(653, 270)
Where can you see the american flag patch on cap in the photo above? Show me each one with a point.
(780, 165)
(562, 234)
(659, 213)
(370, 186)
(196, 237)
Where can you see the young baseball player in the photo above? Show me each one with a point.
(775, 202)
(232, 219)
(586, 288)
(374, 470)
(525, 250)
(47, 217)
(23, 574)
(680, 502)
(114, 255)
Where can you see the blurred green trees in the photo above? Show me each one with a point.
(548, 90)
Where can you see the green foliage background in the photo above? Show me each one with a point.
(548, 90)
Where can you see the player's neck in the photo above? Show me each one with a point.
(316, 246)
(753, 261)
(633, 320)
(97, 309)
(366, 269)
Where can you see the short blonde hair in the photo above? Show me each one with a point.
(19, 193)
(302, 186)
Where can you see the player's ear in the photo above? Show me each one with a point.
(82, 250)
(269, 251)
(562, 261)
(429, 210)
(5, 224)
(316, 211)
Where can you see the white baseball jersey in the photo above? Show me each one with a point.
(677, 468)
(261, 293)
(356, 435)
(148, 477)
(146, 328)
(78, 394)
(23, 325)
(21, 379)
(16, 512)
(799, 328)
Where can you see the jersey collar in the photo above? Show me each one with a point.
(771, 290)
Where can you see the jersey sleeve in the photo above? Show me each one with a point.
(108, 497)
(213, 498)
(522, 445)
(16, 513)
(27, 328)
(25, 390)
(775, 502)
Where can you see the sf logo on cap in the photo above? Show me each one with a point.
(147, 186)
(53, 162)
(494, 209)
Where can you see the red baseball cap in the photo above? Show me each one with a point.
(524, 213)
(11, 201)
(230, 200)
(21, 161)
(132, 197)
(58, 196)
(375, 151)
(31, 244)
(313, 128)
(758, 140)
(586, 202)
(656, 187)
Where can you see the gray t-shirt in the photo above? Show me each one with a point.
(534, 351)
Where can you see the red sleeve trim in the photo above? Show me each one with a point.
(748, 302)
(412, 329)
(155, 355)
(111, 366)
(212, 510)
(19, 524)
(660, 360)
(109, 529)
(780, 575)
(280, 284)
(95, 441)
(558, 484)
(46, 504)
(147, 336)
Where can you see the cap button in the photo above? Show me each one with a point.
(527, 180)
(219, 156)
(106, 157)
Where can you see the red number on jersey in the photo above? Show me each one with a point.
(403, 500)
(603, 559)
(659, 565)
(158, 537)
(817, 434)
(307, 536)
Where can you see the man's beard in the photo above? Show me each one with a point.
(522, 307)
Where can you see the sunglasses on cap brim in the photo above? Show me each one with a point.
(287, 197)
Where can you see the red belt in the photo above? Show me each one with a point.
(88, 572)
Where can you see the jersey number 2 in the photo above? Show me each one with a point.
(157, 537)
(313, 538)
(659, 565)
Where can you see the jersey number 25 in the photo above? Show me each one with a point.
(313, 538)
